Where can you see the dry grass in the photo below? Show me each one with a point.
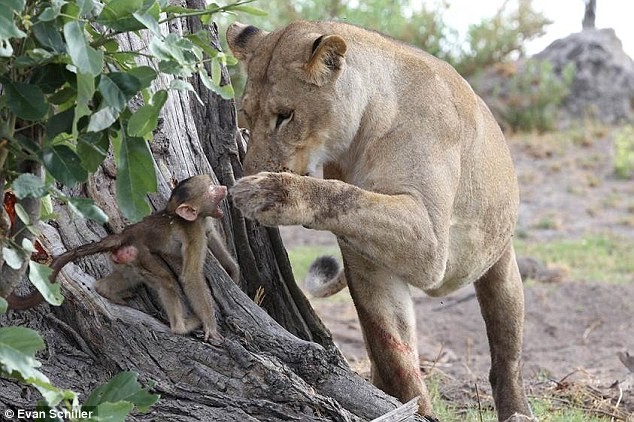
(551, 400)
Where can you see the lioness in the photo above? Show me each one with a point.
(418, 187)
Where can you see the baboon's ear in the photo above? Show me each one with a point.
(326, 60)
(243, 39)
(187, 211)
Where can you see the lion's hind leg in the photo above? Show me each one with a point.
(501, 297)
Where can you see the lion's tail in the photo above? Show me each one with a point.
(325, 277)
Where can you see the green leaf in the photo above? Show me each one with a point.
(112, 412)
(85, 92)
(250, 10)
(28, 246)
(17, 348)
(87, 59)
(22, 214)
(50, 77)
(46, 212)
(22, 339)
(148, 21)
(6, 49)
(47, 33)
(14, 5)
(216, 71)
(201, 39)
(92, 148)
(127, 83)
(136, 176)
(144, 74)
(17, 364)
(29, 185)
(123, 387)
(8, 28)
(118, 15)
(42, 406)
(53, 395)
(63, 95)
(206, 80)
(27, 143)
(143, 400)
(87, 7)
(182, 85)
(111, 93)
(85, 207)
(111, 46)
(176, 50)
(225, 91)
(117, 88)
(39, 275)
(51, 12)
(172, 67)
(60, 123)
(64, 164)
(3, 306)
(26, 101)
(12, 257)
(145, 119)
(102, 119)
(160, 49)
(230, 60)
(178, 10)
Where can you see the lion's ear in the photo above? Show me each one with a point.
(243, 39)
(326, 60)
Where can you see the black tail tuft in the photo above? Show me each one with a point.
(325, 277)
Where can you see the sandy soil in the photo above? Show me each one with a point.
(574, 329)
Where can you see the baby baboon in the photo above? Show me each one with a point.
(173, 240)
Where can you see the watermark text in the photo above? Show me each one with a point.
(52, 413)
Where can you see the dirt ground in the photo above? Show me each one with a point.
(574, 329)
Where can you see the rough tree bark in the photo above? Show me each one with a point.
(280, 365)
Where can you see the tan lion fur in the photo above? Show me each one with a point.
(419, 186)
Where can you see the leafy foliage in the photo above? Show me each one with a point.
(17, 360)
(496, 39)
(67, 86)
(67, 89)
(534, 94)
(499, 38)
(67, 99)
(114, 400)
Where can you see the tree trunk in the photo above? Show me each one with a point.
(277, 361)
(589, 15)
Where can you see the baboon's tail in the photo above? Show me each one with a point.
(34, 298)
(325, 277)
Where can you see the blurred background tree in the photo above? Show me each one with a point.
(497, 39)
(590, 14)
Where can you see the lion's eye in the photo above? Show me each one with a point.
(282, 117)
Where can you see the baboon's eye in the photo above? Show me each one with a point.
(282, 117)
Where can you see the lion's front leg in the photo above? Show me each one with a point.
(396, 231)
(273, 199)
(386, 313)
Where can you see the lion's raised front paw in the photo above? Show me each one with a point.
(270, 198)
